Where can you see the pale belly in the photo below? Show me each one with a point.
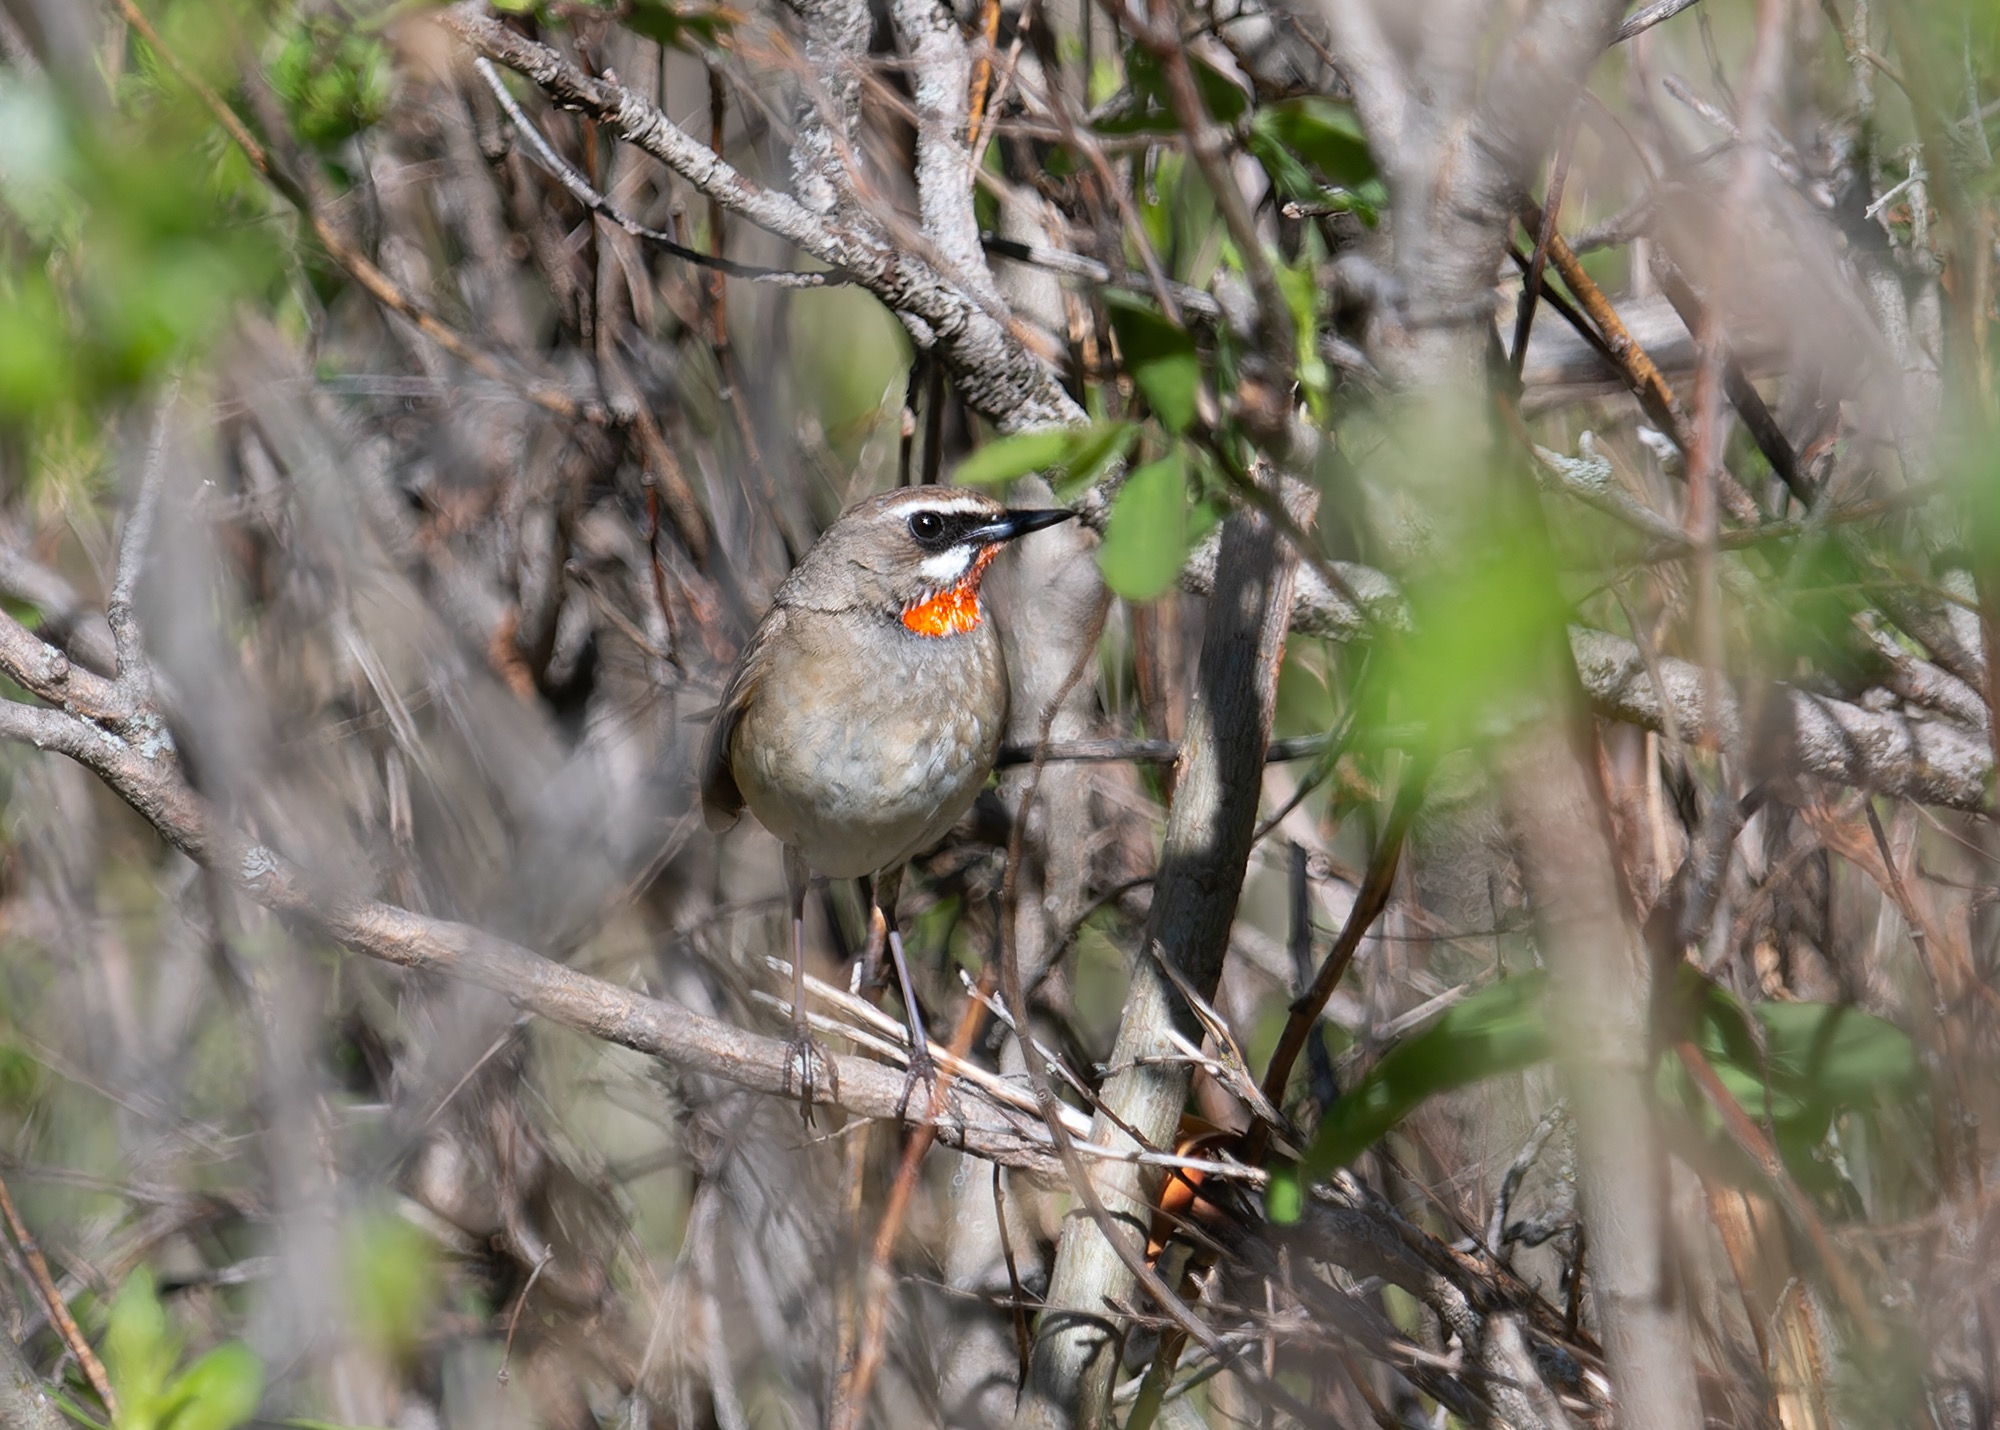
(858, 785)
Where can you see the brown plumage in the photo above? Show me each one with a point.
(864, 715)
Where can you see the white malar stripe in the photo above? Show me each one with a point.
(945, 569)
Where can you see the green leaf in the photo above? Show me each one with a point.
(1285, 1199)
(1097, 447)
(1221, 96)
(140, 1352)
(1080, 453)
(392, 1280)
(1145, 541)
(1322, 133)
(672, 26)
(1498, 1029)
(1015, 456)
(1161, 358)
(218, 1392)
(1795, 1065)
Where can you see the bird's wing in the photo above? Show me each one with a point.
(721, 800)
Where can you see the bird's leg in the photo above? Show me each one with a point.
(803, 1054)
(923, 1068)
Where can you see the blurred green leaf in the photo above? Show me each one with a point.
(1153, 111)
(392, 1280)
(1300, 285)
(1077, 453)
(1161, 357)
(675, 26)
(1791, 1067)
(1483, 628)
(21, 1079)
(333, 80)
(1015, 456)
(1097, 447)
(1498, 1029)
(1285, 1199)
(1322, 133)
(218, 1392)
(35, 362)
(1145, 542)
(140, 1352)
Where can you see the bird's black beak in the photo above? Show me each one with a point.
(1010, 524)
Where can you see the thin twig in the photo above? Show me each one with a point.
(52, 1302)
(876, 1279)
(1369, 901)
(581, 190)
(514, 1320)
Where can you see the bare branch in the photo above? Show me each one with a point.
(996, 374)
(689, 1041)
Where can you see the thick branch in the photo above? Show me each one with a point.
(694, 1044)
(1200, 875)
(940, 69)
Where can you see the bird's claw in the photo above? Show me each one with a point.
(804, 1056)
(923, 1069)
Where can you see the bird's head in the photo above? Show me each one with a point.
(918, 552)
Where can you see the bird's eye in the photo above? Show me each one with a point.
(926, 526)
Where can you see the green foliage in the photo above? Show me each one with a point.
(1792, 1067)
(1295, 138)
(1077, 454)
(219, 1391)
(1324, 134)
(127, 245)
(1498, 1029)
(1146, 540)
(392, 1281)
(1160, 355)
(1300, 285)
(677, 27)
(334, 80)
(1151, 110)
(22, 1081)
(1482, 632)
(680, 27)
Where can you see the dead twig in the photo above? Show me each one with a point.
(54, 1305)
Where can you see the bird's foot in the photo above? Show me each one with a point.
(805, 1055)
(923, 1072)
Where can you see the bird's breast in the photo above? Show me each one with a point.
(862, 749)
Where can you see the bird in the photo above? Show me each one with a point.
(865, 713)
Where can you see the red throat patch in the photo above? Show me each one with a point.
(956, 611)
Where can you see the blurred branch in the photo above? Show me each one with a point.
(379, 285)
(1654, 14)
(24, 1403)
(148, 779)
(119, 614)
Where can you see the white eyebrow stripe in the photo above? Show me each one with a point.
(945, 568)
(956, 506)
